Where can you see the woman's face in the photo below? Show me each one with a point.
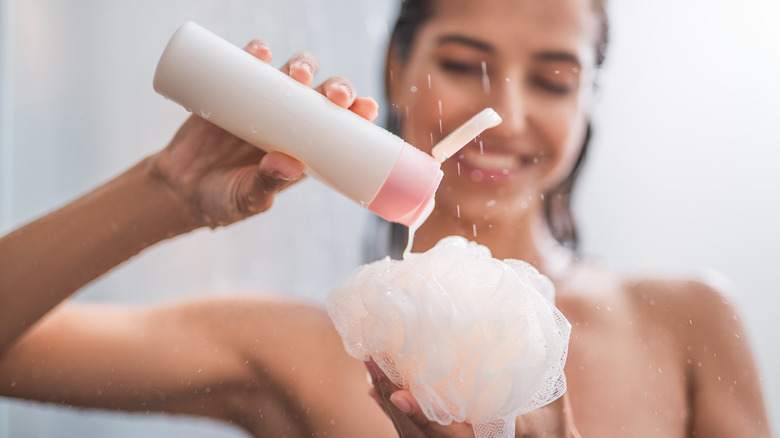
(531, 61)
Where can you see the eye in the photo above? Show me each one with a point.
(554, 87)
(460, 67)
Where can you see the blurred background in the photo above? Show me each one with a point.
(682, 176)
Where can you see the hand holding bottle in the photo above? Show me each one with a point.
(223, 178)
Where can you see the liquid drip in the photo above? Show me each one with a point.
(447, 147)
(416, 225)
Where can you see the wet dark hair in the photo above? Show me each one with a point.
(557, 202)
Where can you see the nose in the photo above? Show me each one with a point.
(510, 104)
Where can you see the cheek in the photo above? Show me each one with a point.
(568, 154)
(563, 128)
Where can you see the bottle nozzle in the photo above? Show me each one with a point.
(462, 135)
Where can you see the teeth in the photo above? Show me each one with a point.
(489, 160)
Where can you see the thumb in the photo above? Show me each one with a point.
(275, 172)
(406, 403)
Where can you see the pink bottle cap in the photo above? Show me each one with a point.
(409, 188)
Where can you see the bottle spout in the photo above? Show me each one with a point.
(462, 135)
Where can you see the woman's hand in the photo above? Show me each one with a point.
(554, 420)
(408, 419)
(222, 178)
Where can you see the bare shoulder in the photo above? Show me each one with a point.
(697, 305)
(700, 318)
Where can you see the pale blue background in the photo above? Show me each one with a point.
(683, 174)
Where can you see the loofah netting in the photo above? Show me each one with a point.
(473, 338)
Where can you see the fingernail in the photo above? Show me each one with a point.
(285, 170)
(305, 66)
(401, 403)
(345, 88)
(257, 45)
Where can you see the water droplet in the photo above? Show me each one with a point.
(481, 148)
(254, 129)
(485, 79)
(557, 72)
(457, 210)
(474, 229)
(441, 130)
(413, 89)
(364, 204)
(205, 114)
(491, 203)
(440, 113)
(429, 81)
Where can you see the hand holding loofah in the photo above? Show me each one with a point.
(474, 339)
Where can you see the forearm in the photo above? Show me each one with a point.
(45, 261)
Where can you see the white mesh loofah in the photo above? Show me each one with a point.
(473, 338)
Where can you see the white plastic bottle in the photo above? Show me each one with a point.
(258, 103)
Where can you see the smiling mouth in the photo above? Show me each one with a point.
(492, 166)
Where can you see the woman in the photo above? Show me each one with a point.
(647, 357)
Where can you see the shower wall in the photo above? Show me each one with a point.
(681, 176)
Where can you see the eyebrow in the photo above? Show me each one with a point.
(558, 56)
(466, 41)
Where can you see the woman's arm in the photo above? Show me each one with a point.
(273, 367)
(204, 177)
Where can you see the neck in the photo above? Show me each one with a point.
(524, 237)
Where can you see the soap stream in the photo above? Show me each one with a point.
(449, 146)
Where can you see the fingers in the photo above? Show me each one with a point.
(302, 67)
(406, 403)
(343, 93)
(339, 90)
(366, 108)
(259, 49)
(408, 418)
